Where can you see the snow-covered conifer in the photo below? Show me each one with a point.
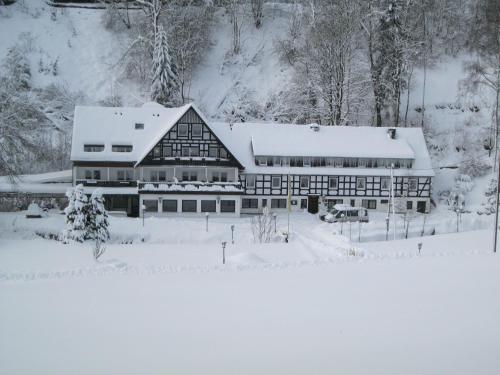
(165, 83)
(98, 218)
(76, 215)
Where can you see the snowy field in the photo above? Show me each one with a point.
(318, 304)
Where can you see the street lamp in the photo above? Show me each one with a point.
(342, 223)
(206, 221)
(232, 234)
(274, 218)
(224, 243)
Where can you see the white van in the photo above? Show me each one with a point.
(344, 213)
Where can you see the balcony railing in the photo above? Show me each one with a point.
(191, 187)
(106, 183)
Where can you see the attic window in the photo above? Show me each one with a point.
(139, 125)
(93, 148)
(121, 148)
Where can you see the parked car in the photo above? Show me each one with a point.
(343, 213)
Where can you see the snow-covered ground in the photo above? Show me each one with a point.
(318, 304)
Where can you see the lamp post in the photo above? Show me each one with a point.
(232, 234)
(274, 218)
(143, 208)
(387, 228)
(206, 221)
(342, 224)
(224, 243)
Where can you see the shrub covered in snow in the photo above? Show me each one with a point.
(474, 165)
(77, 214)
(98, 218)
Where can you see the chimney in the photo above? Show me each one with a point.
(391, 132)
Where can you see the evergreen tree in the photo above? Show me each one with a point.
(98, 218)
(165, 84)
(77, 214)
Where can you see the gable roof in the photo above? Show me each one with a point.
(110, 126)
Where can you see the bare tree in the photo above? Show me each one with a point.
(257, 12)
(235, 9)
(262, 226)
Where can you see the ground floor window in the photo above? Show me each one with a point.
(227, 206)
(384, 201)
(369, 203)
(278, 203)
(151, 205)
(188, 206)
(332, 202)
(208, 206)
(249, 203)
(169, 205)
(303, 203)
(421, 206)
(409, 205)
(264, 203)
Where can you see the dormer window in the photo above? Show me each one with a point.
(121, 148)
(139, 126)
(93, 148)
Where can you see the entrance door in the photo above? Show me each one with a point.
(312, 204)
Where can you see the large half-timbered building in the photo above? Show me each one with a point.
(168, 161)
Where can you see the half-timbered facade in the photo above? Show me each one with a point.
(168, 161)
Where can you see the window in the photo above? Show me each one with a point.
(412, 184)
(139, 126)
(249, 203)
(93, 148)
(385, 183)
(189, 206)
(162, 175)
(182, 130)
(185, 152)
(333, 182)
(278, 203)
(409, 205)
(264, 203)
(219, 176)
(167, 151)
(92, 174)
(208, 205)
(189, 176)
(303, 203)
(151, 205)
(194, 151)
(212, 151)
(124, 175)
(250, 181)
(307, 162)
(276, 182)
(196, 130)
(223, 153)
(338, 163)
(169, 205)
(384, 201)
(261, 160)
(361, 183)
(121, 148)
(369, 203)
(304, 182)
(227, 206)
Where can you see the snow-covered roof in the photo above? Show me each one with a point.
(331, 141)
(110, 126)
(246, 140)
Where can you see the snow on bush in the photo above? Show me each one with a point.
(98, 222)
(76, 216)
(473, 165)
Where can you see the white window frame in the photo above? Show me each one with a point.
(183, 126)
(306, 179)
(306, 161)
(197, 126)
(276, 178)
(382, 180)
(360, 181)
(250, 181)
(411, 181)
(330, 179)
